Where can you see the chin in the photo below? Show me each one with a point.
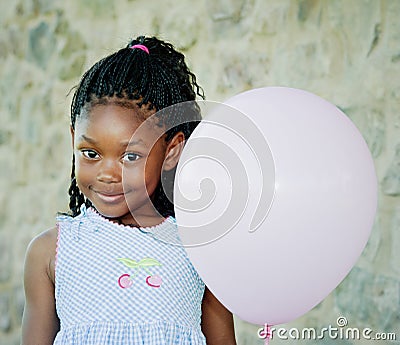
(110, 213)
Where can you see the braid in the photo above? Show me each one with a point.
(76, 197)
(157, 80)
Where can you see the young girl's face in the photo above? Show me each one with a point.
(106, 153)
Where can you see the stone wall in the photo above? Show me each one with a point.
(347, 51)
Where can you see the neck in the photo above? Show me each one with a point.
(137, 221)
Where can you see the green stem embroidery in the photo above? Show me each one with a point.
(144, 264)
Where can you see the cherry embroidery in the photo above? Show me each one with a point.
(154, 281)
(126, 281)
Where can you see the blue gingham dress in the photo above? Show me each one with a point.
(119, 285)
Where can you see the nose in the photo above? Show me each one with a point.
(109, 171)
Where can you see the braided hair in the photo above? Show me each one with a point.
(157, 80)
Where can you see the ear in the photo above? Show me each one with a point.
(173, 151)
(71, 129)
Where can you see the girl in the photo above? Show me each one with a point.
(102, 275)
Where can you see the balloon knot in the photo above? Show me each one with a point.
(265, 333)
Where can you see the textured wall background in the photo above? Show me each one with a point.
(347, 51)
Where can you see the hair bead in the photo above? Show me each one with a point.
(140, 46)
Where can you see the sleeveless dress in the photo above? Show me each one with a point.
(119, 285)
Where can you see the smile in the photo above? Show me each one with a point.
(110, 198)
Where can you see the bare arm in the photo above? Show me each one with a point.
(217, 321)
(40, 322)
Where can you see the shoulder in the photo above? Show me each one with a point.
(43, 243)
(41, 252)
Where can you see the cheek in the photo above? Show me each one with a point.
(83, 172)
(155, 162)
(133, 177)
(153, 172)
(141, 179)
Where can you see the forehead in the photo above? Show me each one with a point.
(119, 121)
(139, 110)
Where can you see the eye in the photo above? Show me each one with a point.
(130, 157)
(90, 154)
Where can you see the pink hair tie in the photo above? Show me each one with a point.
(140, 46)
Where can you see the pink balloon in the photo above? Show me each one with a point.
(275, 198)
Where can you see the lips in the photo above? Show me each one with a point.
(110, 197)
